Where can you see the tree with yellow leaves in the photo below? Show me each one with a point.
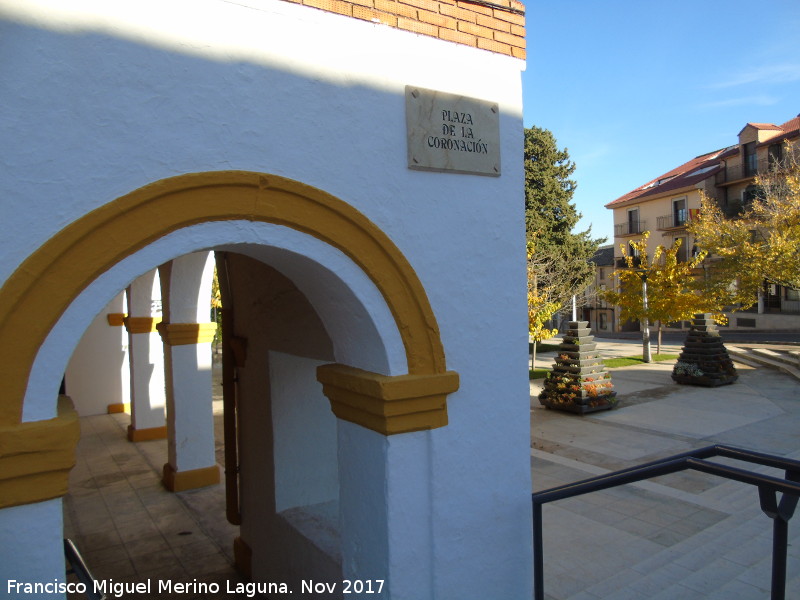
(676, 290)
(216, 307)
(763, 242)
(544, 297)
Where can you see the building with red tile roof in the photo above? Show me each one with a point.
(663, 206)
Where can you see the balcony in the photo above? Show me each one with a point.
(746, 170)
(629, 228)
(622, 263)
(733, 209)
(675, 220)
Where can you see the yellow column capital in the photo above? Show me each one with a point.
(181, 334)
(388, 404)
(141, 324)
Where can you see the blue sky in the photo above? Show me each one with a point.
(634, 88)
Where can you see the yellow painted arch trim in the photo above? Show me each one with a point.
(40, 290)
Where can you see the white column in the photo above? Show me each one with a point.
(146, 354)
(187, 335)
(386, 512)
(98, 373)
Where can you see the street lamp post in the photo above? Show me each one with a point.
(646, 357)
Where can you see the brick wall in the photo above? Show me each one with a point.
(496, 25)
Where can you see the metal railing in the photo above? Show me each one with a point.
(76, 565)
(744, 170)
(779, 510)
(629, 228)
(671, 221)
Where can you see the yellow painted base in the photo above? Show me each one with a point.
(179, 481)
(119, 407)
(243, 557)
(145, 435)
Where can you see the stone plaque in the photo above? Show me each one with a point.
(452, 133)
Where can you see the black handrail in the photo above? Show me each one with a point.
(780, 511)
(77, 566)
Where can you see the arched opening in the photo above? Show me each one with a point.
(389, 372)
(41, 290)
(285, 436)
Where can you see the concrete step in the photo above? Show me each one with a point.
(783, 357)
(729, 557)
(741, 356)
(765, 359)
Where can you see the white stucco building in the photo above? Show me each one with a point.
(374, 288)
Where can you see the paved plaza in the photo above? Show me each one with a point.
(679, 537)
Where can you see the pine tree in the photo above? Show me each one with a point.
(550, 217)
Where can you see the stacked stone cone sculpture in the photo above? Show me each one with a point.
(579, 382)
(704, 359)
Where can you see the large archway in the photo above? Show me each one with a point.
(39, 292)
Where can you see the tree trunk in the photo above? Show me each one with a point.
(658, 348)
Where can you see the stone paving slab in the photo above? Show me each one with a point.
(698, 536)
(685, 535)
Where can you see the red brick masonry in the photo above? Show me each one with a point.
(494, 25)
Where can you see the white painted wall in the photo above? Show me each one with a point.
(98, 373)
(304, 434)
(33, 551)
(103, 98)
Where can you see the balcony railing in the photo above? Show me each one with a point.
(733, 209)
(779, 509)
(629, 228)
(671, 221)
(622, 263)
(743, 171)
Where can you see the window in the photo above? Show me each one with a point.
(633, 252)
(633, 220)
(722, 197)
(750, 161)
(683, 251)
(603, 321)
(679, 212)
(792, 294)
(775, 154)
(601, 273)
(750, 193)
